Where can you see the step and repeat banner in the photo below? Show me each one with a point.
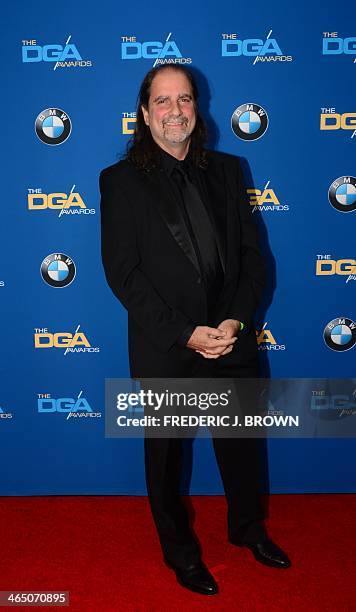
(277, 89)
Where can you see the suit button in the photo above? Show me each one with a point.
(199, 281)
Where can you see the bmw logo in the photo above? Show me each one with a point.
(58, 270)
(342, 194)
(249, 121)
(340, 334)
(53, 126)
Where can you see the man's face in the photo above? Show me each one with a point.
(171, 113)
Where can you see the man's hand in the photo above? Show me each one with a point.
(211, 342)
(229, 327)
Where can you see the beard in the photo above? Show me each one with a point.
(175, 134)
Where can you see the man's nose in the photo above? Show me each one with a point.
(176, 108)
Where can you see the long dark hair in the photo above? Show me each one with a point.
(142, 150)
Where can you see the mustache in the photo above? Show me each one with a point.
(179, 121)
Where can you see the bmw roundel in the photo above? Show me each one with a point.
(342, 194)
(249, 121)
(58, 270)
(340, 334)
(53, 126)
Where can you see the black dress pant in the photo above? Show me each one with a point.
(238, 463)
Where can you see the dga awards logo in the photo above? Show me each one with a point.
(265, 200)
(333, 44)
(262, 50)
(326, 266)
(76, 342)
(330, 120)
(339, 402)
(5, 415)
(340, 334)
(128, 123)
(59, 55)
(342, 194)
(266, 341)
(58, 270)
(53, 126)
(249, 121)
(166, 52)
(71, 203)
(74, 407)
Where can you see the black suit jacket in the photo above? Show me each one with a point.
(150, 264)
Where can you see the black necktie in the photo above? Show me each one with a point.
(203, 232)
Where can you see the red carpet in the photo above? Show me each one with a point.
(104, 550)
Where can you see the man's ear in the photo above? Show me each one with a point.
(145, 115)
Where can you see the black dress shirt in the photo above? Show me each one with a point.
(188, 189)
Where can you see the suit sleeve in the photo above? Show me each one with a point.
(162, 324)
(252, 268)
(185, 335)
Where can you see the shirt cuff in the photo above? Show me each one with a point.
(185, 335)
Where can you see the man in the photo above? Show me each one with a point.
(180, 252)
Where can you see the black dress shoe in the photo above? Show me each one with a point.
(197, 578)
(268, 553)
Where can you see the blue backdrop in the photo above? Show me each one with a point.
(73, 73)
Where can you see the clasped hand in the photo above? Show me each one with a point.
(213, 342)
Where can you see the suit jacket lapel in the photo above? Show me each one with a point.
(170, 212)
(213, 182)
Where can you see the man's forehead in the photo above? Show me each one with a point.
(170, 82)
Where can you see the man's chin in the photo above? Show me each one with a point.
(176, 138)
